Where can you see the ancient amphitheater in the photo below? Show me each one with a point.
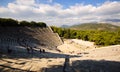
(35, 37)
(15, 42)
(35, 49)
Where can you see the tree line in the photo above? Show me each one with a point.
(102, 38)
(4, 22)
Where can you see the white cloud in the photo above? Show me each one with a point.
(109, 8)
(25, 2)
(56, 15)
(3, 10)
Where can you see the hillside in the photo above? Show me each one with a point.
(95, 26)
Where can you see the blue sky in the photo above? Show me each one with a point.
(59, 12)
(68, 3)
(5, 2)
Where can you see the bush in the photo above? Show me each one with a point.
(10, 22)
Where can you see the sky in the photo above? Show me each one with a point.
(62, 12)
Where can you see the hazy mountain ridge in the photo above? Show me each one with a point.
(95, 26)
(64, 26)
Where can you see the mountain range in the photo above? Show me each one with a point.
(95, 26)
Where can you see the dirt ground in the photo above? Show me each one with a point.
(73, 56)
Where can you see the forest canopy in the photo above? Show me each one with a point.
(4, 22)
(102, 38)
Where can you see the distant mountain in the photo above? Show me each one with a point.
(95, 26)
(65, 26)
